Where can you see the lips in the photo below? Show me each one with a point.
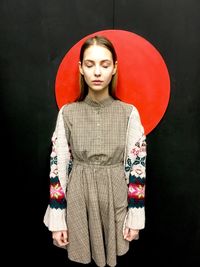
(97, 82)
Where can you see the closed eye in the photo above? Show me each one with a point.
(89, 66)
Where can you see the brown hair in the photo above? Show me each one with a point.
(101, 41)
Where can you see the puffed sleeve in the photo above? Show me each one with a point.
(60, 166)
(135, 171)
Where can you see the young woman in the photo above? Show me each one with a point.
(97, 206)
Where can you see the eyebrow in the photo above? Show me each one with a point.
(104, 60)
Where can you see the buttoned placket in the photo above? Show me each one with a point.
(98, 117)
(99, 109)
(98, 125)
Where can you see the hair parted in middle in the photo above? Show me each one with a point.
(104, 42)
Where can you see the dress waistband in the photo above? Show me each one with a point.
(96, 165)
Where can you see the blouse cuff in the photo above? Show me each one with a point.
(135, 218)
(55, 219)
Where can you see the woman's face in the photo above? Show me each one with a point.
(97, 67)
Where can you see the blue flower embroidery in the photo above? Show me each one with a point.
(129, 165)
(53, 160)
(141, 161)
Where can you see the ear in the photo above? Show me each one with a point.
(115, 68)
(80, 68)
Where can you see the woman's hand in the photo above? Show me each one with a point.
(60, 238)
(131, 234)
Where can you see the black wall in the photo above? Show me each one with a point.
(35, 35)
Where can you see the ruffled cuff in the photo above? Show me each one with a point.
(55, 219)
(135, 218)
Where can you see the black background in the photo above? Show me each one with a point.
(35, 35)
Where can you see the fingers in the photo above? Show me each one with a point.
(126, 233)
(131, 234)
(65, 239)
(60, 238)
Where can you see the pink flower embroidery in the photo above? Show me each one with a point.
(135, 151)
(136, 191)
(138, 170)
(56, 191)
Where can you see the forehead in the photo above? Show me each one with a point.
(96, 53)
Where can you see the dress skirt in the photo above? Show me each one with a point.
(96, 210)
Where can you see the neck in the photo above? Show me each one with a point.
(98, 95)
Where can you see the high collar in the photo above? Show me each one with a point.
(102, 103)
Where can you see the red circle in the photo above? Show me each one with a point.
(143, 78)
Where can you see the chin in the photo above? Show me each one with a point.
(98, 88)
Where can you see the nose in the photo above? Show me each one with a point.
(97, 71)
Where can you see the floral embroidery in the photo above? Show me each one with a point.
(53, 166)
(54, 171)
(136, 167)
(135, 151)
(56, 191)
(53, 160)
(57, 197)
(128, 165)
(141, 161)
(138, 170)
(138, 160)
(136, 191)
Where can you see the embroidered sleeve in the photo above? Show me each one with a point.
(137, 175)
(60, 167)
(57, 195)
(135, 170)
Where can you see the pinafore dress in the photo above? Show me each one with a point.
(97, 190)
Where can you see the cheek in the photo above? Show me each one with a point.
(108, 75)
(87, 74)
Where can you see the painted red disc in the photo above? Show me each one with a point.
(143, 78)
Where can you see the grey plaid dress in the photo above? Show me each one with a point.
(97, 190)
